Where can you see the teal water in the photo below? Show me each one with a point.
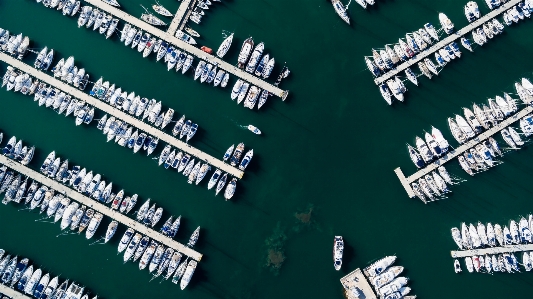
(332, 145)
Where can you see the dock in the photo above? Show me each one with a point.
(170, 38)
(76, 93)
(11, 293)
(446, 41)
(492, 250)
(406, 182)
(185, 7)
(357, 286)
(105, 210)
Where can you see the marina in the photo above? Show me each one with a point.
(121, 115)
(446, 41)
(274, 90)
(406, 181)
(104, 210)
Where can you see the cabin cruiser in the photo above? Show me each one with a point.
(189, 271)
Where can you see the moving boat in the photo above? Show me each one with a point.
(338, 249)
(341, 10)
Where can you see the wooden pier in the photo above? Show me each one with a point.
(446, 41)
(190, 48)
(76, 93)
(406, 182)
(185, 6)
(492, 250)
(11, 293)
(97, 206)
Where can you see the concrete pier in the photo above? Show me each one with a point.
(7, 291)
(170, 38)
(446, 41)
(76, 93)
(105, 210)
(461, 149)
(356, 286)
(185, 6)
(492, 250)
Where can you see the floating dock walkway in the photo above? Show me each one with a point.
(170, 38)
(406, 182)
(11, 293)
(105, 210)
(492, 250)
(185, 6)
(452, 37)
(44, 77)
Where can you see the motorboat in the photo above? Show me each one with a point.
(255, 57)
(235, 158)
(93, 225)
(338, 249)
(245, 52)
(379, 266)
(446, 23)
(189, 271)
(471, 11)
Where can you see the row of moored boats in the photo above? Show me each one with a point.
(486, 236)
(78, 217)
(385, 280)
(19, 274)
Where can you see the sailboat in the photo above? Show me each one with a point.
(161, 10)
(341, 10)
(224, 47)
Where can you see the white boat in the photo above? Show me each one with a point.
(380, 266)
(188, 274)
(112, 2)
(153, 20)
(224, 47)
(93, 225)
(255, 57)
(161, 10)
(446, 23)
(245, 52)
(214, 179)
(471, 11)
(456, 235)
(341, 10)
(338, 249)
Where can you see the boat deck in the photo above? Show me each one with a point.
(446, 41)
(492, 250)
(7, 291)
(406, 182)
(44, 77)
(190, 48)
(355, 281)
(185, 6)
(105, 210)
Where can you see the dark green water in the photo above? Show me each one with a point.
(333, 144)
